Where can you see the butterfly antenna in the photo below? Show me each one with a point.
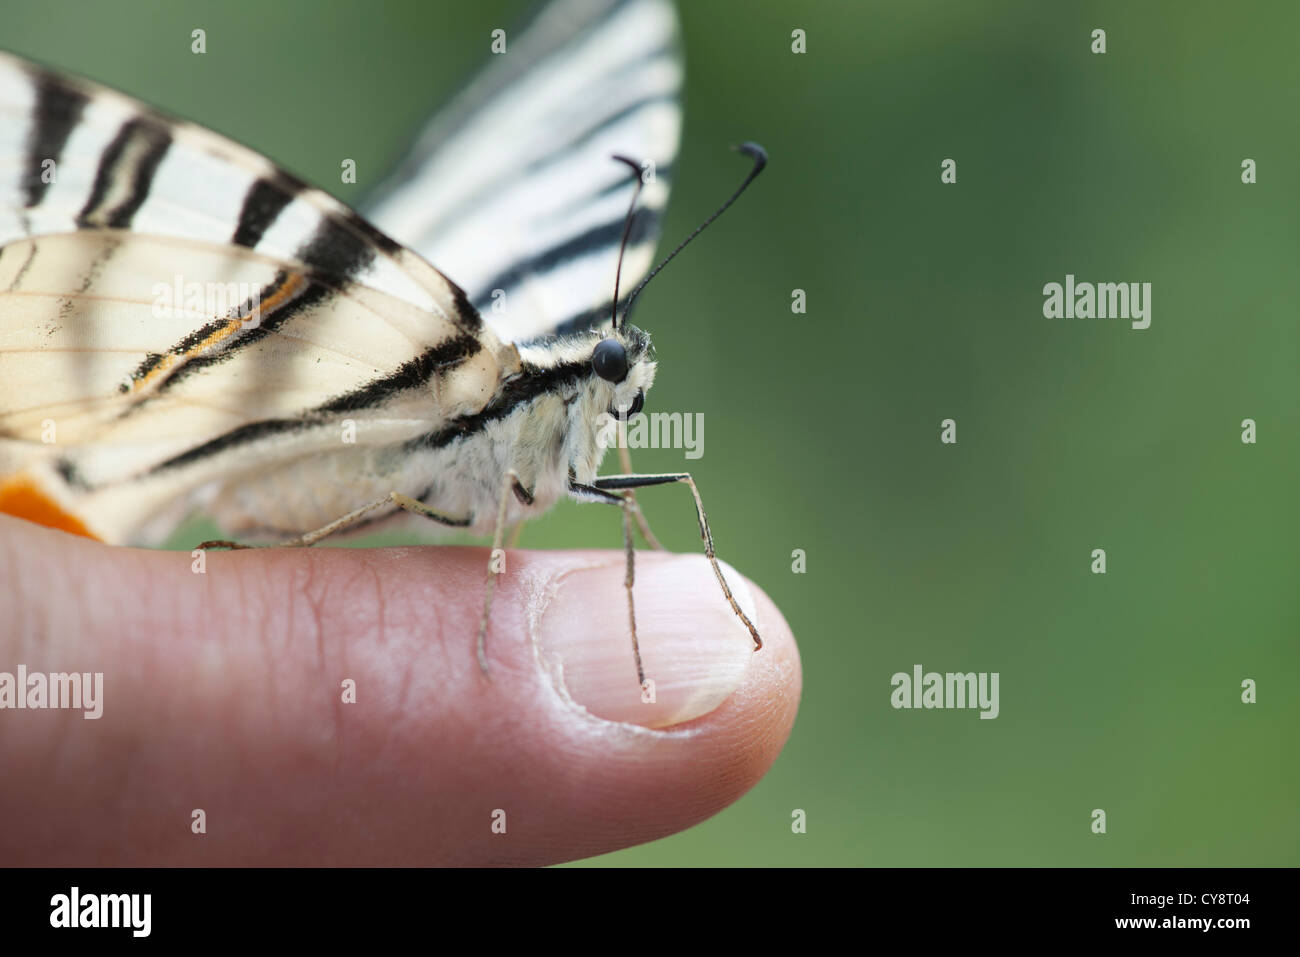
(759, 156)
(627, 231)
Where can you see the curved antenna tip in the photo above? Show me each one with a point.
(755, 151)
(629, 162)
(635, 167)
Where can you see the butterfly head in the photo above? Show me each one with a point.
(622, 370)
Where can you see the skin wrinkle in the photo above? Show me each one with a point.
(345, 671)
(428, 651)
(316, 594)
(396, 635)
(61, 620)
(363, 588)
(385, 641)
(267, 627)
(314, 602)
(294, 680)
(255, 616)
(310, 595)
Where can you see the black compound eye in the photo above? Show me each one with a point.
(637, 405)
(609, 360)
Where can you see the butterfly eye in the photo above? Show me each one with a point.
(609, 360)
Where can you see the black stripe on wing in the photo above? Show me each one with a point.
(56, 112)
(533, 382)
(561, 153)
(336, 253)
(414, 374)
(132, 158)
(263, 203)
(645, 226)
(288, 295)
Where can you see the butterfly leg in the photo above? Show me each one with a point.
(625, 460)
(509, 486)
(404, 502)
(628, 504)
(630, 509)
(642, 481)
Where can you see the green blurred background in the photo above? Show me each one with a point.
(1120, 691)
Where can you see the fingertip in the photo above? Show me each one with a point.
(220, 680)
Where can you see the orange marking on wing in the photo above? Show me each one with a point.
(20, 497)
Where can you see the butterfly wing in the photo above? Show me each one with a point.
(512, 190)
(123, 390)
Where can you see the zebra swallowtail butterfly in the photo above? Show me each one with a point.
(186, 327)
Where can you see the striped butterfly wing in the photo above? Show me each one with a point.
(125, 393)
(512, 190)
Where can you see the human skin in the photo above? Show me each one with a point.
(225, 679)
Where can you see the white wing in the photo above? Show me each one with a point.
(122, 393)
(513, 188)
(75, 155)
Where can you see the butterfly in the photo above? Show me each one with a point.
(186, 327)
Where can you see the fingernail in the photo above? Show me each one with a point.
(694, 648)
